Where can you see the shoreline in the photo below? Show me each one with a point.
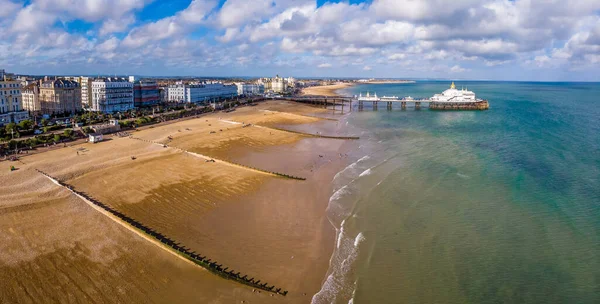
(327, 90)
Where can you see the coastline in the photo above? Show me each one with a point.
(390, 81)
(280, 225)
(327, 90)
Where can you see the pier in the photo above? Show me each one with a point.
(407, 102)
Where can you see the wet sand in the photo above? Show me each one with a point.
(327, 90)
(268, 227)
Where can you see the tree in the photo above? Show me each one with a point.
(11, 128)
(68, 133)
(25, 124)
(13, 144)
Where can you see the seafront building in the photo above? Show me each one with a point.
(145, 93)
(111, 95)
(274, 85)
(85, 84)
(11, 109)
(250, 89)
(30, 98)
(162, 92)
(59, 96)
(200, 92)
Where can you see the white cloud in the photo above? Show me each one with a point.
(109, 45)
(91, 10)
(427, 36)
(324, 65)
(367, 68)
(397, 56)
(172, 26)
(31, 19)
(457, 69)
(116, 25)
(238, 12)
(8, 8)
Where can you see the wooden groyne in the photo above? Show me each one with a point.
(312, 135)
(210, 158)
(173, 246)
(466, 106)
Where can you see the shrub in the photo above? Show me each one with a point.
(68, 133)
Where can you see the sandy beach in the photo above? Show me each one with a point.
(327, 90)
(275, 229)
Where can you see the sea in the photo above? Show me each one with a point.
(496, 206)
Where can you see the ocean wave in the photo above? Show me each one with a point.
(340, 234)
(337, 194)
(359, 239)
(339, 284)
(351, 166)
(463, 175)
(366, 157)
(366, 172)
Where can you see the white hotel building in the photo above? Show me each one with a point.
(11, 108)
(194, 93)
(111, 95)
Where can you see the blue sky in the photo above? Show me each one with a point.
(545, 40)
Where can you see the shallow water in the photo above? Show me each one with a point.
(471, 207)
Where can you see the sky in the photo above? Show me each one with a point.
(538, 40)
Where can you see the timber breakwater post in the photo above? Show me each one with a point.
(171, 245)
(209, 158)
(324, 101)
(314, 135)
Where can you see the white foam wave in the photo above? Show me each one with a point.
(366, 172)
(339, 283)
(351, 166)
(366, 157)
(463, 176)
(337, 194)
(340, 235)
(359, 239)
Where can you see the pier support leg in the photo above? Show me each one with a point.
(417, 105)
(403, 105)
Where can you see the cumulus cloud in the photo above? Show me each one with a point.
(426, 36)
(458, 69)
(8, 8)
(116, 25)
(179, 24)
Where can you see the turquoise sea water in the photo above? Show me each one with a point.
(498, 206)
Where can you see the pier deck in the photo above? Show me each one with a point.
(417, 103)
